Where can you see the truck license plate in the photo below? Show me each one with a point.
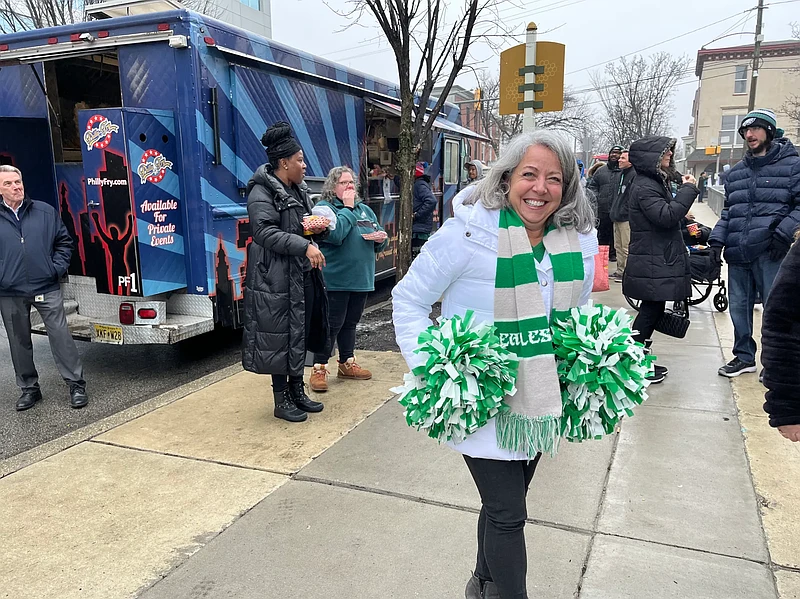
(108, 334)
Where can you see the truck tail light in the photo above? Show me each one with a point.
(126, 313)
(163, 26)
(149, 313)
(3, 47)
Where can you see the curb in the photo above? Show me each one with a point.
(46, 450)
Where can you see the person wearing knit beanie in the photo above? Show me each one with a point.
(764, 118)
(756, 227)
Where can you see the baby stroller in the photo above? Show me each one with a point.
(705, 273)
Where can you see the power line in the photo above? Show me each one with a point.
(663, 42)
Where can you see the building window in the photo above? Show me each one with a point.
(255, 4)
(729, 131)
(451, 160)
(740, 80)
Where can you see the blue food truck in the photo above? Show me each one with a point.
(142, 126)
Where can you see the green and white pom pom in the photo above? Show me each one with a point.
(463, 381)
(601, 368)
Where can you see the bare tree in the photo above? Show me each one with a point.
(636, 95)
(439, 47)
(23, 15)
(791, 107)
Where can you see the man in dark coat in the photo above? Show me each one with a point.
(35, 250)
(424, 206)
(602, 186)
(780, 352)
(285, 305)
(619, 212)
(756, 227)
(658, 261)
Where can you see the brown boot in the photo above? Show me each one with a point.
(319, 378)
(351, 370)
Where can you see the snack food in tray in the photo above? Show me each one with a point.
(315, 224)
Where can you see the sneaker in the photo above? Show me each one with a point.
(736, 367)
(351, 370)
(319, 378)
(658, 375)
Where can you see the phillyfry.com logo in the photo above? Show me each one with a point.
(99, 137)
(153, 167)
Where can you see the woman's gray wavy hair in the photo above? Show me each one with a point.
(329, 187)
(575, 210)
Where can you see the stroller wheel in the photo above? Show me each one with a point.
(633, 303)
(721, 301)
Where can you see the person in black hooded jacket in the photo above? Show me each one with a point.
(603, 186)
(780, 348)
(658, 262)
(285, 303)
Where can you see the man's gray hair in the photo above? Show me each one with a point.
(7, 168)
(329, 187)
(575, 210)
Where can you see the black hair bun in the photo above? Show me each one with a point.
(277, 133)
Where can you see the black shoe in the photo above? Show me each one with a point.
(78, 398)
(736, 367)
(285, 408)
(298, 395)
(761, 376)
(658, 375)
(28, 398)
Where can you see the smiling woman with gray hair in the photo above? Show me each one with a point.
(521, 244)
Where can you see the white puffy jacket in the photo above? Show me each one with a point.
(458, 265)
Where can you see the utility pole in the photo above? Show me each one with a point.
(529, 116)
(756, 57)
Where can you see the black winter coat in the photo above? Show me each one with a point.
(603, 187)
(658, 261)
(34, 251)
(274, 296)
(780, 343)
(623, 179)
(762, 199)
(424, 205)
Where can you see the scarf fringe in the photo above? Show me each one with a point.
(528, 434)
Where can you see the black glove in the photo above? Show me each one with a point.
(778, 248)
(716, 254)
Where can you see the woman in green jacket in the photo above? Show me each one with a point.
(349, 272)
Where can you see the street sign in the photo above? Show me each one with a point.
(549, 86)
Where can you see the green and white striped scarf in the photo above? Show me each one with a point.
(532, 424)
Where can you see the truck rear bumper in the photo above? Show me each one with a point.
(95, 317)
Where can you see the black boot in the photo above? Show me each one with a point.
(285, 408)
(298, 394)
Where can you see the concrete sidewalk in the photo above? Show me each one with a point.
(210, 496)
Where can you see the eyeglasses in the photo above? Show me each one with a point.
(345, 183)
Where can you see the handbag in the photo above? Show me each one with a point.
(601, 270)
(675, 322)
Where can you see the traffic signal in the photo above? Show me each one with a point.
(478, 97)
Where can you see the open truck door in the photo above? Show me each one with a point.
(114, 173)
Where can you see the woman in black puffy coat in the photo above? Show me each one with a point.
(285, 302)
(780, 348)
(658, 262)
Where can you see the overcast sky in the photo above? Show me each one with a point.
(594, 31)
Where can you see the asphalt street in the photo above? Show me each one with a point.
(118, 377)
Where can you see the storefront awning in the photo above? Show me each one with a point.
(699, 156)
(440, 124)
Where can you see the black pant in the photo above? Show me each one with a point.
(344, 312)
(645, 323)
(279, 381)
(502, 557)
